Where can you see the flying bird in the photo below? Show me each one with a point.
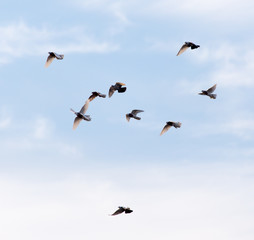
(185, 46)
(169, 125)
(117, 87)
(96, 94)
(121, 210)
(209, 92)
(52, 56)
(80, 115)
(133, 114)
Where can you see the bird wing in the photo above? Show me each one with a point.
(49, 60)
(119, 211)
(177, 124)
(135, 111)
(77, 120)
(127, 117)
(59, 56)
(165, 129)
(210, 90)
(111, 91)
(182, 49)
(102, 95)
(92, 97)
(121, 84)
(85, 107)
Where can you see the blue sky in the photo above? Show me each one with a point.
(195, 182)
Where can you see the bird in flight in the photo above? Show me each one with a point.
(133, 114)
(209, 92)
(96, 94)
(80, 115)
(52, 56)
(117, 87)
(185, 46)
(169, 125)
(121, 210)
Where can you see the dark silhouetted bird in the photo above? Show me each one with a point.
(96, 94)
(209, 92)
(185, 46)
(169, 125)
(133, 114)
(121, 210)
(117, 87)
(80, 115)
(52, 56)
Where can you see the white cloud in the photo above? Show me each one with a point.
(20, 39)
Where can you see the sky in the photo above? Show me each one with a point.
(195, 182)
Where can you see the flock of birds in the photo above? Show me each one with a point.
(120, 87)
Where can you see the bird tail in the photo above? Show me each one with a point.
(72, 110)
(213, 96)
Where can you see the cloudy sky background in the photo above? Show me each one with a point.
(196, 182)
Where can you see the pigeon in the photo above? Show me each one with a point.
(185, 46)
(96, 94)
(121, 210)
(80, 115)
(209, 92)
(118, 87)
(169, 125)
(52, 56)
(92, 97)
(133, 114)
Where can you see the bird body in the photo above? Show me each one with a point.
(209, 92)
(121, 210)
(133, 114)
(169, 125)
(52, 56)
(117, 87)
(187, 45)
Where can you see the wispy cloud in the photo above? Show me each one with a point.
(20, 39)
(209, 11)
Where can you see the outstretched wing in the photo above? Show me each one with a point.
(165, 129)
(85, 107)
(177, 124)
(77, 120)
(135, 111)
(210, 90)
(111, 91)
(59, 56)
(182, 49)
(119, 83)
(49, 60)
(119, 211)
(93, 96)
(128, 117)
(102, 95)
